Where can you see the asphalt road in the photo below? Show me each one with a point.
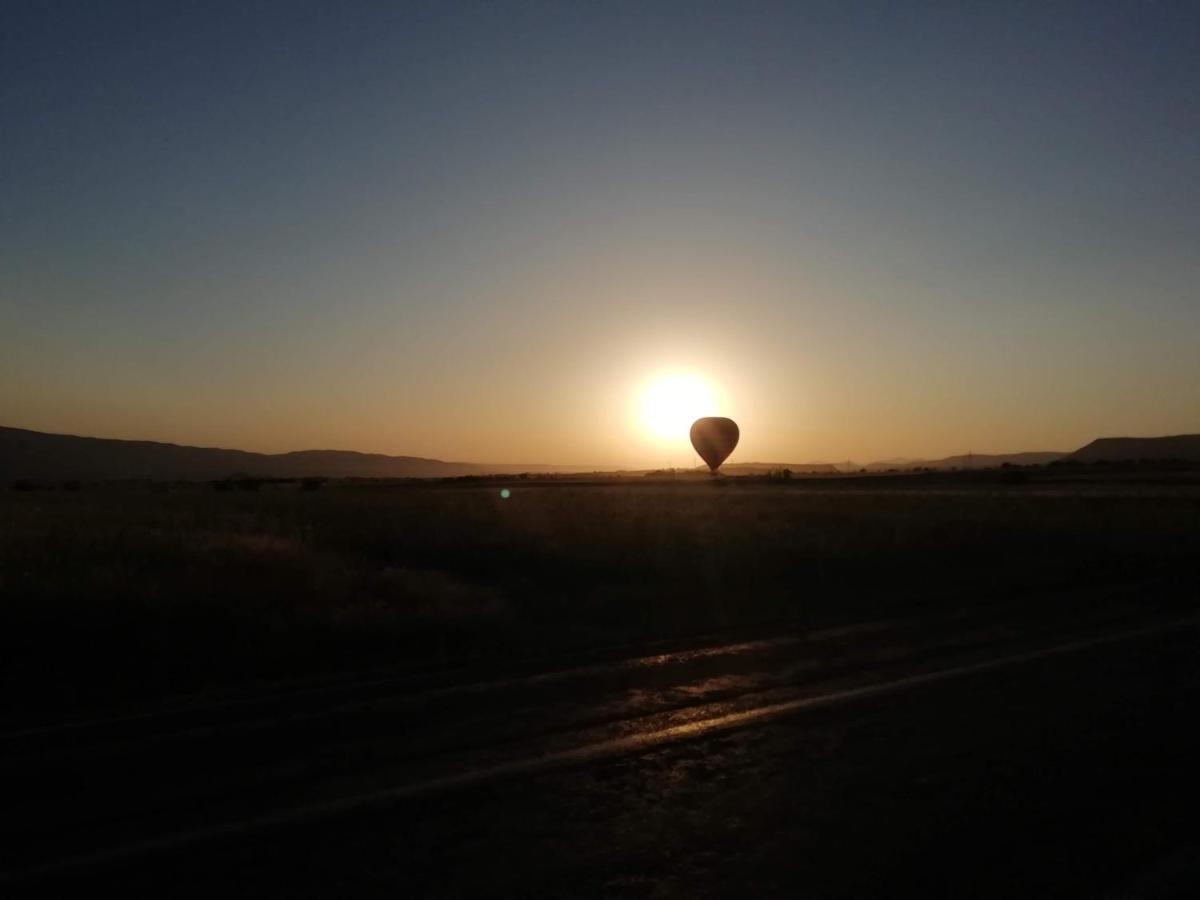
(967, 755)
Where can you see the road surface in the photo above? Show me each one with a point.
(982, 754)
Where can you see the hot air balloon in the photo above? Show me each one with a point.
(714, 438)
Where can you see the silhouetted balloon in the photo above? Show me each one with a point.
(714, 439)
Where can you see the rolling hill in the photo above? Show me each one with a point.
(1179, 446)
(971, 461)
(760, 468)
(40, 456)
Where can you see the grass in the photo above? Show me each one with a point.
(115, 593)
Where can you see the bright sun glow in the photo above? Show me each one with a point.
(671, 403)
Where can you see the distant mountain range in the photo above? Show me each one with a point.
(970, 461)
(1182, 446)
(759, 468)
(39, 456)
(1178, 446)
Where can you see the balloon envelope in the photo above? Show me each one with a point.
(714, 439)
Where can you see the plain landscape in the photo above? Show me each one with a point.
(195, 660)
(661, 450)
(38, 458)
(195, 585)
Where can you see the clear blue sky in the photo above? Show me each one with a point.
(476, 231)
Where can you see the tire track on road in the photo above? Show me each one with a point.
(637, 742)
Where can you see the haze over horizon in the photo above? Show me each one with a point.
(684, 461)
(484, 233)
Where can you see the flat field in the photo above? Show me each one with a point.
(120, 594)
(625, 688)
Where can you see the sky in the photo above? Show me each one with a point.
(483, 232)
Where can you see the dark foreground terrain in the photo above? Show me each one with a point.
(949, 686)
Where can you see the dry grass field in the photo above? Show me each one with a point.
(125, 593)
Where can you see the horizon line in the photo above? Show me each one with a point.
(577, 466)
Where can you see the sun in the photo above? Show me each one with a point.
(672, 402)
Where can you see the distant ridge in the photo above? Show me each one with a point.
(759, 468)
(37, 455)
(1178, 446)
(971, 461)
(40, 456)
